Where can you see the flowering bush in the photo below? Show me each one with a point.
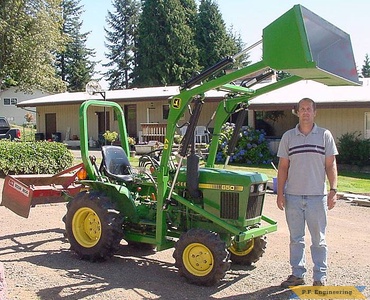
(110, 136)
(131, 141)
(251, 148)
(29, 117)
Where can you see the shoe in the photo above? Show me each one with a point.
(292, 281)
(319, 283)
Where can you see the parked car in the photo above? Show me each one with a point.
(6, 132)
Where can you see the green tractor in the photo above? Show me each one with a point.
(212, 217)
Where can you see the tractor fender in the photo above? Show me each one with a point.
(119, 194)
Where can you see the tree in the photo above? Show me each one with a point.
(190, 8)
(73, 64)
(167, 53)
(242, 60)
(365, 71)
(121, 42)
(30, 35)
(212, 39)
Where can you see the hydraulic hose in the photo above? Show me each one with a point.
(208, 72)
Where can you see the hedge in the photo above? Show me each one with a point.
(251, 148)
(39, 157)
(353, 149)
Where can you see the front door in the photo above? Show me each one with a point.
(103, 125)
(50, 125)
(130, 116)
(103, 122)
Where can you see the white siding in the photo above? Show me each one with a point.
(339, 121)
(14, 114)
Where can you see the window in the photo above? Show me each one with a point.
(10, 101)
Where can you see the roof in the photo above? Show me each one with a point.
(324, 96)
(126, 95)
(281, 99)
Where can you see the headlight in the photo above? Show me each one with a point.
(82, 174)
(251, 188)
(261, 187)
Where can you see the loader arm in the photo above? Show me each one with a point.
(228, 106)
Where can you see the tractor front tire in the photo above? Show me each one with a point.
(201, 257)
(251, 252)
(93, 226)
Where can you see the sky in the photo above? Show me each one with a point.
(248, 18)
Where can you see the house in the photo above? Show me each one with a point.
(342, 109)
(145, 109)
(10, 98)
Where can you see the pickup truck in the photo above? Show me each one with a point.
(6, 132)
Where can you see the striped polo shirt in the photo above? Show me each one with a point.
(306, 154)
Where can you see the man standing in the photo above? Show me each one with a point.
(306, 154)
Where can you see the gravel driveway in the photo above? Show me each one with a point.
(38, 264)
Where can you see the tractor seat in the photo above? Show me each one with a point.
(115, 164)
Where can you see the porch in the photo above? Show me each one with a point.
(152, 132)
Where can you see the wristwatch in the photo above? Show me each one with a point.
(334, 190)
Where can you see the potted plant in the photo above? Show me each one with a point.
(110, 136)
(132, 142)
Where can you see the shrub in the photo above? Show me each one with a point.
(40, 157)
(251, 148)
(353, 150)
(110, 136)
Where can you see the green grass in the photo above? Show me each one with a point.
(354, 182)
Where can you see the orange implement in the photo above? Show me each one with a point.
(21, 192)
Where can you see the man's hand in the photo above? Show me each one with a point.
(282, 177)
(332, 199)
(280, 201)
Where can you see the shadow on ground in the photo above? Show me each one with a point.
(131, 271)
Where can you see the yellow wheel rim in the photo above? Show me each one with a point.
(198, 259)
(86, 227)
(234, 250)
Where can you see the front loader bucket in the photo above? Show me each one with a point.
(304, 44)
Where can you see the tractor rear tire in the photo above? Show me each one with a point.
(201, 257)
(93, 226)
(252, 253)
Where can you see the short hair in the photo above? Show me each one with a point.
(306, 99)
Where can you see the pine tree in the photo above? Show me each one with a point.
(241, 61)
(167, 53)
(191, 13)
(365, 71)
(213, 41)
(74, 65)
(29, 35)
(121, 42)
